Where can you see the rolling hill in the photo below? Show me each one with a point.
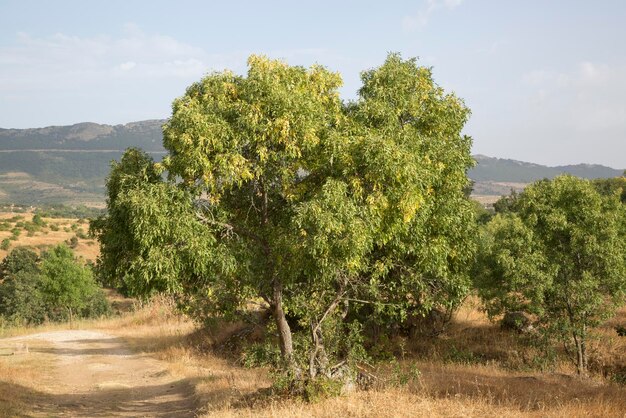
(69, 164)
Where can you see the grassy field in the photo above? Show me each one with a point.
(55, 231)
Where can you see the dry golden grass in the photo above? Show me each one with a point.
(20, 375)
(482, 388)
(86, 248)
(445, 388)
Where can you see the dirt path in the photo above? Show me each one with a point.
(93, 374)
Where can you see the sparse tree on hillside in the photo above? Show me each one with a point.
(561, 256)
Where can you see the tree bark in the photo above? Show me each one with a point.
(284, 331)
(580, 354)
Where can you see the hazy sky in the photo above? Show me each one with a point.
(546, 80)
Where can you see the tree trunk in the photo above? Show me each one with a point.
(581, 368)
(284, 332)
(70, 311)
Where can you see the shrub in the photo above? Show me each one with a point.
(37, 220)
(73, 242)
(57, 287)
(20, 296)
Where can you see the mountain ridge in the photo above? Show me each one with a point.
(66, 163)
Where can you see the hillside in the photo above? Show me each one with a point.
(506, 170)
(495, 177)
(85, 137)
(69, 164)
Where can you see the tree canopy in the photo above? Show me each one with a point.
(559, 254)
(279, 191)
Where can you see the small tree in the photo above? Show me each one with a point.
(20, 287)
(66, 283)
(561, 256)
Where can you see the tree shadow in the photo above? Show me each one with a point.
(109, 347)
(173, 399)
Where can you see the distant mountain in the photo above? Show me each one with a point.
(505, 170)
(85, 136)
(69, 164)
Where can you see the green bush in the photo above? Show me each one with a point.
(6, 243)
(321, 388)
(20, 296)
(55, 287)
(37, 220)
(261, 354)
(97, 306)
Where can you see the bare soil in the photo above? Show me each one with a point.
(94, 374)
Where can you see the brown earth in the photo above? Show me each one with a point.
(86, 373)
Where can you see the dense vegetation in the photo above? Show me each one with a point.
(348, 221)
(557, 252)
(53, 287)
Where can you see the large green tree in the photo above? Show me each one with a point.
(560, 255)
(303, 201)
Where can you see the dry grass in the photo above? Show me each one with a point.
(445, 387)
(20, 375)
(86, 248)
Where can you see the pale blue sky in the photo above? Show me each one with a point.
(546, 80)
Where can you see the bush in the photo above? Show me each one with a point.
(6, 243)
(321, 388)
(55, 288)
(20, 296)
(73, 242)
(97, 306)
(37, 220)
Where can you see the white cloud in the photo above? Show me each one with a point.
(423, 15)
(32, 63)
(127, 66)
(61, 78)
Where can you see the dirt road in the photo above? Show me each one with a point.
(93, 374)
